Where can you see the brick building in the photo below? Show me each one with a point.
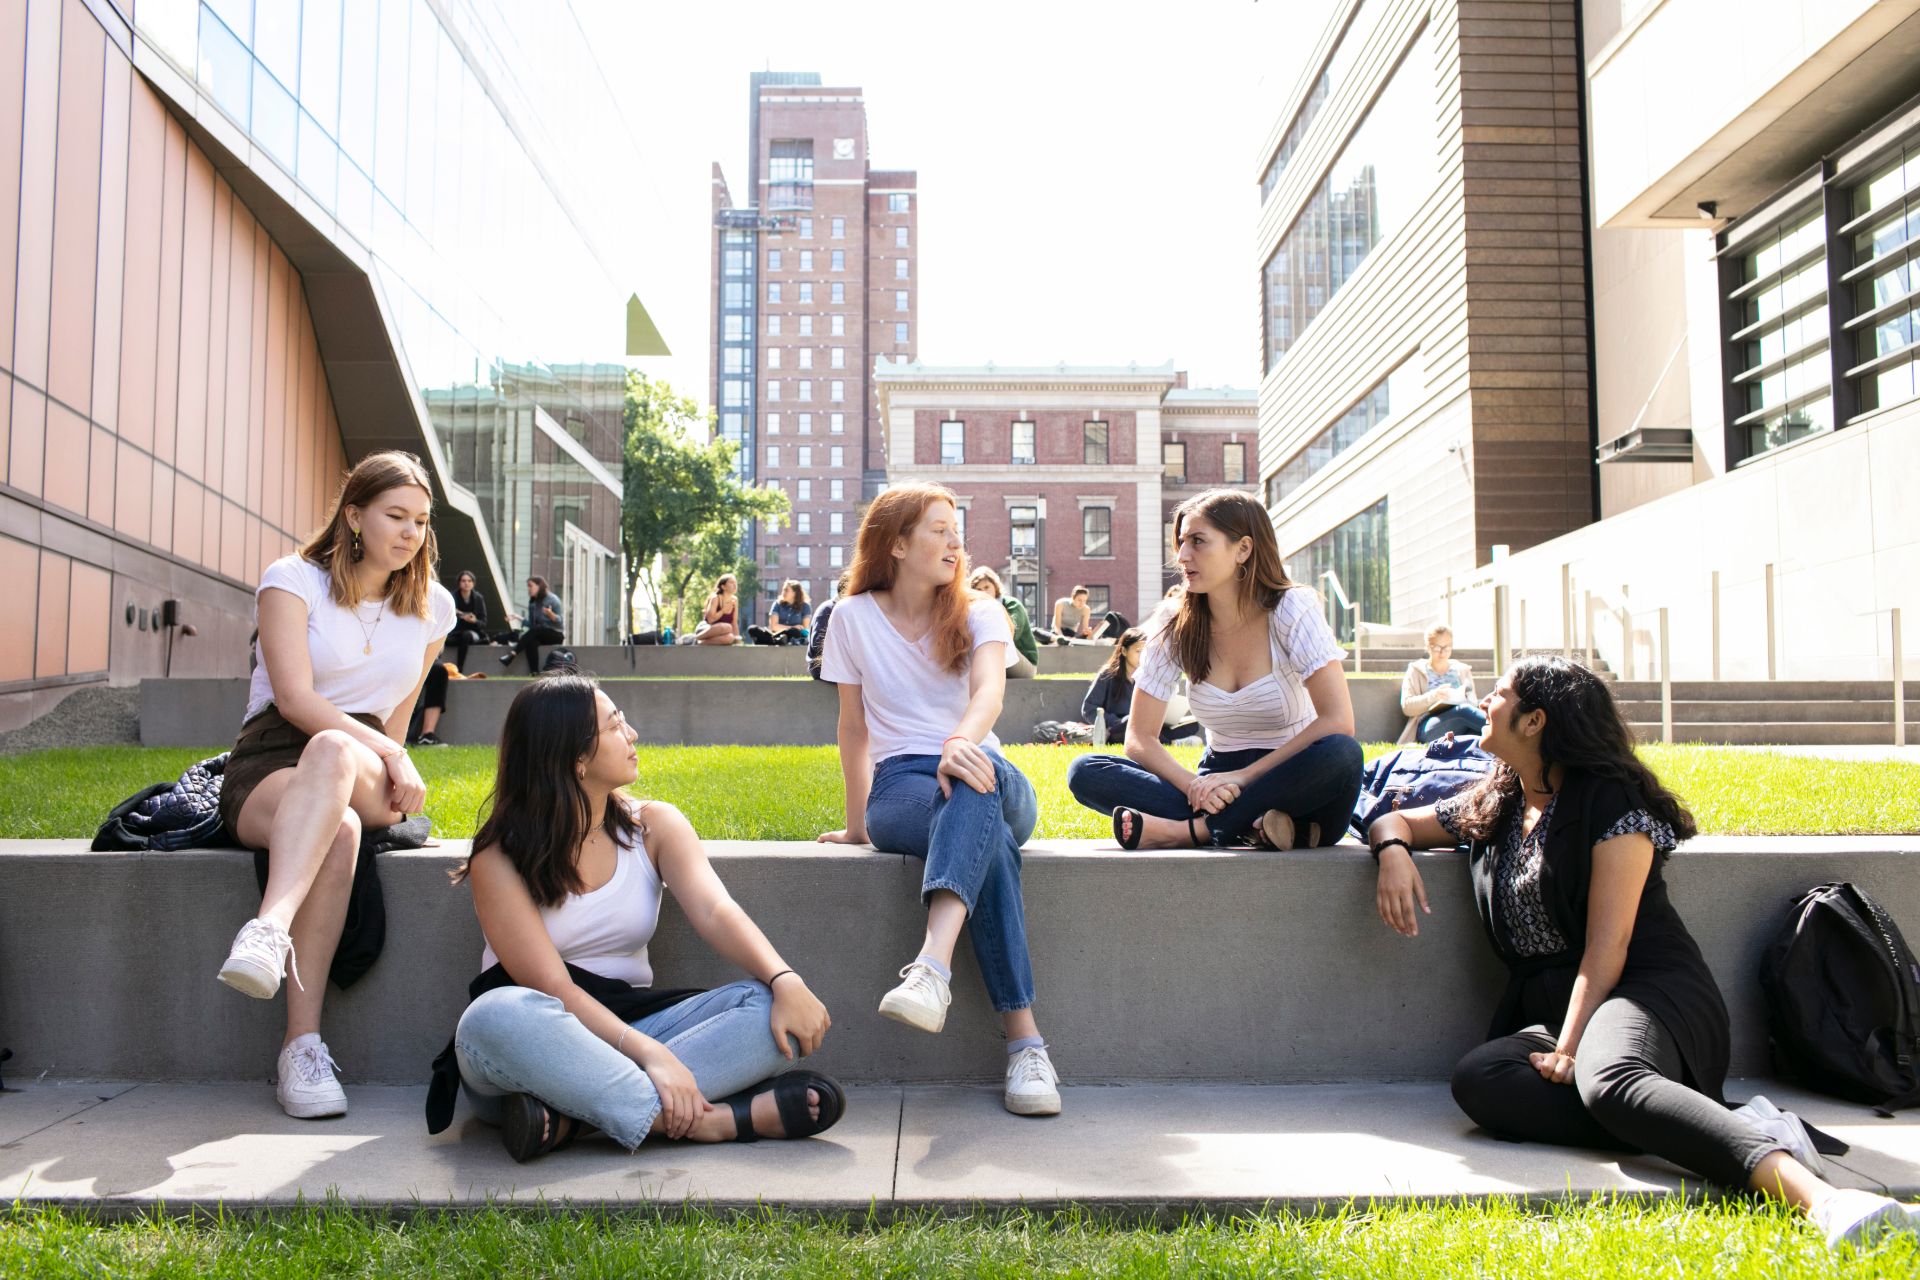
(1062, 472)
(814, 275)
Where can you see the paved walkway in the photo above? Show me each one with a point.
(1143, 1148)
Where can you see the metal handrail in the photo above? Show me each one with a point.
(1339, 593)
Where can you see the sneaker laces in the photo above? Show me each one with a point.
(1030, 1065)
(312, 1064)
(261, 941)
(920, 979)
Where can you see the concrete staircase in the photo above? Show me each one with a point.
(1780, 712)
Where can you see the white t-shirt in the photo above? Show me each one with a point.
(352, 680)
(1268, 712)
(913, 704)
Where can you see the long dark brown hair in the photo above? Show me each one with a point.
(1583, 732)
(1117, 660)
(1236, 515)
(331, 546)
(537, 814)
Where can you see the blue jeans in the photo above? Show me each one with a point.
(518, 1040)
(971, 845)
(1465, 721)
(1316, 785)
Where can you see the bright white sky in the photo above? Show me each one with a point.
(1087, 170)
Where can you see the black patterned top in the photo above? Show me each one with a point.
(1527, 923)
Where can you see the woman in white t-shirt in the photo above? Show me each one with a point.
(347, 628)
(922, 668)
(1282, 768)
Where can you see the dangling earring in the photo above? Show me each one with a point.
(358, 551)
(1240, 574)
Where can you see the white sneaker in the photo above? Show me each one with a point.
(1031, 1083)
(304, 1081)
(920, 1001)
(1785, 1128)
(1860, 1218)
(262, 951)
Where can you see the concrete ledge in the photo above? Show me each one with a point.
(737, 660)
(745, 711)
(1252, 967)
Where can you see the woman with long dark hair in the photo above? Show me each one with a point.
(1112, 687)
(1611, 1032)
(348, 626)
(542, 625)
(566, 874)
(921, 663)
(1282, 768)
(469, 617)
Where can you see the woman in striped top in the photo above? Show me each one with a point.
(1282, 768)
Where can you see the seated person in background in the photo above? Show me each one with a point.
(1611, 1033)
(1112, 623)
(986, 584)
(817, 641)
(1112, 687)
(542, 620)
(1437, 695)
(469, 618)
(787, 617)
(1072, 619)
(720, 620)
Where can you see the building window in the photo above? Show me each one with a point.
(806, 228)
(773, 456)
(1096, 532)
(733, 391)
(803, 523)
(899, 333)
(806, 291)
(836, 390)
(1023, 442)
(1024, 541)
(836, 491)
(806, 455)
(773, 357)
(836, 456)
(836, 326)
(806, 357)
(836, 423)
(1356, 552)
(790, 174)
(839, 228)
(773, 259)
(733, 296)
(897, 202)
(806, 388)
(806, 326)
(1332, 73)
(733, 328)
(1392, 395)
(773, 388)
(899, 299)
(836, 556)
(839, 260)
(773, 424)
(836, 522)
(899, 237)
(837, 358)
(1888, 291)
(806, 259)
(1099, 599)
(733, 359)
(1093, 444)
(803, 557)
(773, 325)
(1367, 193)
(899, 268)
(953, 443)
(838, 292)
(1781, 369)
(803, 491)
(1233, 463)
(806, 424)
(773, 557)
(773, 291)
(1173, 462)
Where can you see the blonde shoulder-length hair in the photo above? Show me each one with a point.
(889, 518)
(409, 588)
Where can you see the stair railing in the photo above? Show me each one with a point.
(1332, 580)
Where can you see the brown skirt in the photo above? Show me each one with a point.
(267, 744)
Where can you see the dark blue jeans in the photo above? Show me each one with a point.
(971, 844)
(1316, 785)
(1468, 722)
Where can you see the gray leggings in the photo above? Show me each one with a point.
(1627, 1094)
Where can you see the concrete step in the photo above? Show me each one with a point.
(1863, 711)
(1783, 733)
(1169, 966)
(733, 660)
(1766, 691)
(1142, 1152)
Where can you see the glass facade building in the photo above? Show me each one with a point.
(1357, 553)
(1380, 403)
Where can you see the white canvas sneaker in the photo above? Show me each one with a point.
(920, 1001)
(304, 1081)
(1032, 1083)
(262, 951)
(1785, 1128)
(1859, 1218)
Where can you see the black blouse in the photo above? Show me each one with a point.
(1664, 972)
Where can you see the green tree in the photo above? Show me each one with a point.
(684, 509)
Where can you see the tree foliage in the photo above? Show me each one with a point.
(685, 511)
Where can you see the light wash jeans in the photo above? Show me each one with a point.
(518, 1040)
(971, 844)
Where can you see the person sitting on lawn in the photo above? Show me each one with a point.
(566, 876)
(921, 665)
(348, 626)
(1112, 687)
(1611, 1032)
(1437, 696)
(787, 617)
(1282, 767)
(986, 584)
(720, 618)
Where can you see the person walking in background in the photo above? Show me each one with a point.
(720, 618)
(542, 619)
(469, 618)
(787, 617)
(986, 584)
(1611, 1032)
(1282, 767)
(1437, 695)
(921, 667)
(567, 1033)
(348, 626)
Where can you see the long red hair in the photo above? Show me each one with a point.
(890, 518)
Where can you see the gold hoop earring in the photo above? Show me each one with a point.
(1240, 574)
(358, 551)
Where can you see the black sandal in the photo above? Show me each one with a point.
(1140, 829)
(531, 1128)
(789, 1090)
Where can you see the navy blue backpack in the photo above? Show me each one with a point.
(1413, 777)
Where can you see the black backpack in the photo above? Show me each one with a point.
(558, 660)
(1843, 999)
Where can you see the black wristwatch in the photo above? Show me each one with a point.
(1388, 843)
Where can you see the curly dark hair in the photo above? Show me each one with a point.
(1583, 732)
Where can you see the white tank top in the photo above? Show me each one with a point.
(606, 931)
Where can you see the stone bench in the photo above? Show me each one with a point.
(1214, 967)
(205, 712)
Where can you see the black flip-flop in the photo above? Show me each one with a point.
(531, 1128)
(789, 1090)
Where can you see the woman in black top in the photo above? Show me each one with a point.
(1112, 688)
(1611, 1031)
(469, 618)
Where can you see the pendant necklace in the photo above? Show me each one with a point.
(366, 632)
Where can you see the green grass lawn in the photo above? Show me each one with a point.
(785, 793)
(1573, 1241)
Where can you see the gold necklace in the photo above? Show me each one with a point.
(366, 632)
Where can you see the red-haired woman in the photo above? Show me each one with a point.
(348, 627)
(922, 668)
